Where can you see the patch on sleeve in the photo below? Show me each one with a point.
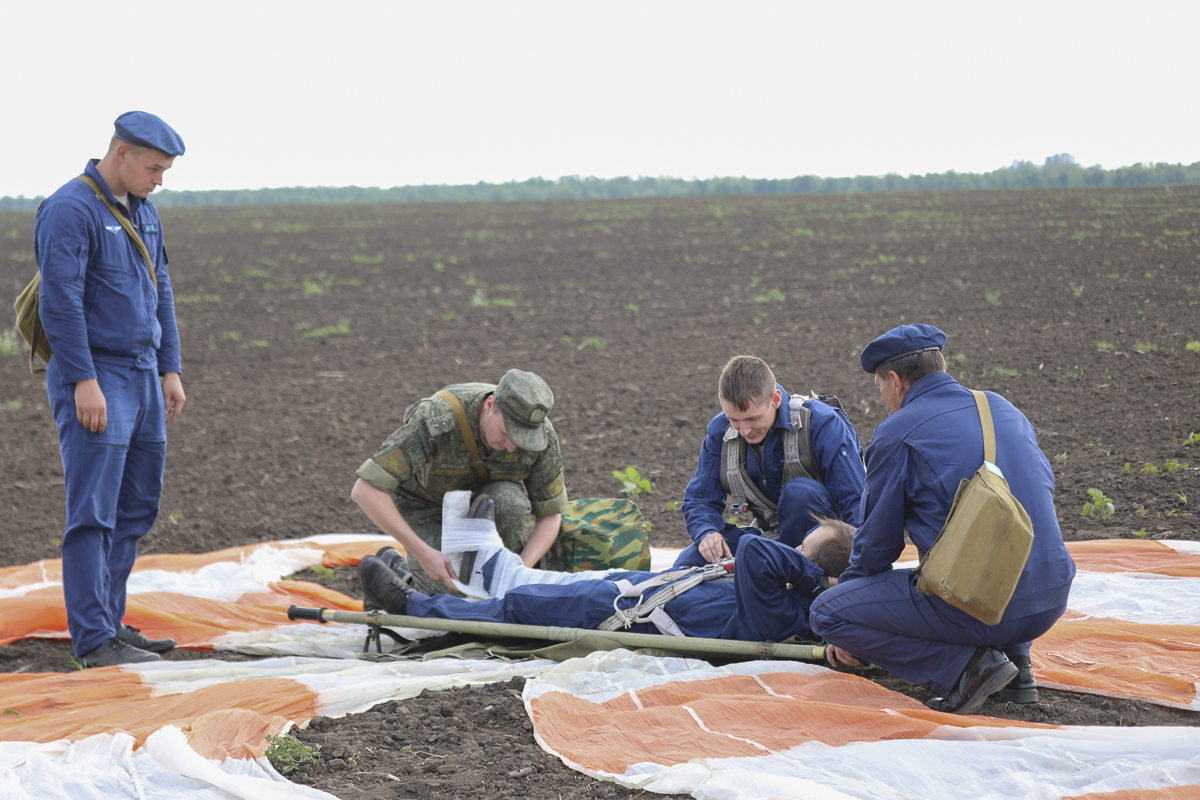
(394, 462)
(554, 489)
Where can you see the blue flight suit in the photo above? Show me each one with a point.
(105, 319)
(915, 462)
(756, 606)
(837, 495)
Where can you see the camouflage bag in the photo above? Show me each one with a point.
(602, 533)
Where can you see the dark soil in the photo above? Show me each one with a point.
(306, 331)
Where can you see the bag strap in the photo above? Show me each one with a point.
(468, 436)
(125, 223)
(989, 430)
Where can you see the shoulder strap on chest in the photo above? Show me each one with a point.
(468, 437)
(650, 609)
(798, 458)
(125, 223)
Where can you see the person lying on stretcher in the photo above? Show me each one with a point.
(763, 594)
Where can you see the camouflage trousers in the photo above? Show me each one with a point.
(514, 520)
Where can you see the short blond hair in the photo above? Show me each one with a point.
(745, 380)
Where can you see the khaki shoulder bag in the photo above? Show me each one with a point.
(29, 321)
(980, 553)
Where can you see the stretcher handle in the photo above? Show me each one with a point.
(299, 612)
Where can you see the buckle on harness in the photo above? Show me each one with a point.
(737, 508)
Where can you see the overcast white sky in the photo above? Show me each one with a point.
(304, 93)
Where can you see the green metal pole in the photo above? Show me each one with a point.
(679, 644)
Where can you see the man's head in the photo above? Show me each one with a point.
(516, 412)
(829, 545)
(749, 396)
(143, 147)
(901, 357)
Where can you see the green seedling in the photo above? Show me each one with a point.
(567, 340)
(1182, 497)
(595, 344)
(14, 404)
(1139, 533)
(1150, 469)
(992, 297)
(632, 483)
(1061, 458)
(1145, 347)
(341, 329)
(1175, 466)
(1192, 440)
(1105, 346)
(632, 307)
(1099, 506)
(675, 505)
(16, 714)
(1140, 511)
(287, 753)
(328, 573)
(1193, 347)
(1127, 468)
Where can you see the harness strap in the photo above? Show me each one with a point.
(125, 223)
(468, 437)
(650, 609)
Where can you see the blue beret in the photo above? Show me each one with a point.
(147, 130)
(903, 341)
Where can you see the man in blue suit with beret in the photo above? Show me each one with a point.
(916, 459)
(113, 381)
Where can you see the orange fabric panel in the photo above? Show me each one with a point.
(1129, 555)
(233, 733)
(1122, 659)
(1167, 793)
(41, 612)
(731, 716)
(108, 699)
(49, 569)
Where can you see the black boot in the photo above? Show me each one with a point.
(987, 672)
(134, 637)
(1023, 688)
(112, 651)
(396, 563)
(382, 588)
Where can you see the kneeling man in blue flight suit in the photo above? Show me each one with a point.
(931, 442)
(782, 457)
(113, 380)
(767, 599)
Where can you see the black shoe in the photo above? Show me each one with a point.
(382, 588)
(132, 636)
(396, 563)
(987, 672)
(115, 651)
(1023, 688)
(482, 507)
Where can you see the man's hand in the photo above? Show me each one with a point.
(91, 408)
(173, 397)
(437, 565)
(836, 654)
(713, 548)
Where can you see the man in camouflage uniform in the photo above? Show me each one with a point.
(519, 467)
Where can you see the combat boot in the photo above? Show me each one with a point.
(396, 563)
(113, 651)
(1023, 688)
(133, 637)
(383, 588)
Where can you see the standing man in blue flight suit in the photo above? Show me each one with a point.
(745, 461)
(918, 456)
(113, 381)
(768, 599)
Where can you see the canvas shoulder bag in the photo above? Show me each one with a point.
(980, 553)
(29, 321)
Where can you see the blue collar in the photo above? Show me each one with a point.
(926, 385)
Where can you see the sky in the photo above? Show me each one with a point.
(303, 93)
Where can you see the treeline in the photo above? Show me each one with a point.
(573, 187)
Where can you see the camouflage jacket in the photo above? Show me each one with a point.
(426, 457)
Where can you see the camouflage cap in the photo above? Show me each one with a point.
(525, 400)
